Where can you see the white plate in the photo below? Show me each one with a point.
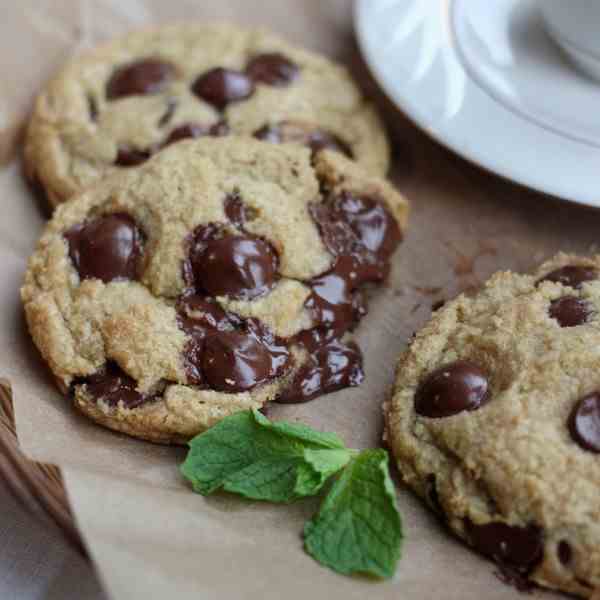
(485, 80)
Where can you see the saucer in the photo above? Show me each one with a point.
(485, 79)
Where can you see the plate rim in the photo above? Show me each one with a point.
(466, 150)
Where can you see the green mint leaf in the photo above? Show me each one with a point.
(249, 455)
(358, 527)
(301, 432)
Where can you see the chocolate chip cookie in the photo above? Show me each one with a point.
(495, 421)
(114, 107)
(221, 275)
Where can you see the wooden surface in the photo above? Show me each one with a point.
(36, 486)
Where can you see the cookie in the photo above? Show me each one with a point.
(116, 106)
(495, 421)
(221, 275)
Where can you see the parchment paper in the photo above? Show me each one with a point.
(149, 536)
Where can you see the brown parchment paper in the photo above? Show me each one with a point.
(149, 536)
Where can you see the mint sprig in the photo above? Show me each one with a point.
(358, 528)
(246, 454)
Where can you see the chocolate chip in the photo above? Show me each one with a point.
(451, 389)
(518, 547)
(199, 316)
(234, 362)
(565, 552)
(240, 266)
(230, 359)
(570, 311)
(146, 76)
(113, 387)
(350, 224)
(329, 366)
(300, 133)
(371, 222)
(584, 422)
(187, 131)
(131, 157)
(106, 248)
(333, 302)
(221, 87)
(272, 69)
(571, 275)
(195, 130)
(236, 211)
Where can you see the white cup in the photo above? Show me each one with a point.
(575, 26)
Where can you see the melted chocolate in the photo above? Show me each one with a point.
(452, 389)
(230, 354)
(239, 266)
(299, 133)
(147, 76)
(220, 87)
(107, 248)
(357, 225)
(361, 234)
(225, 352)
(198, 316)
(272, 69)
(334, 301)
(520, 548)
(331, 365)
(584, 423)
(571, 275)
(570, 311)
(113, 387)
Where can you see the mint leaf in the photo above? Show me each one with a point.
(301, 432)
(249, 455)
(358, 527)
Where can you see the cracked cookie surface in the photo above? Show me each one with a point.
(221, 275)
(116, 106)
(495, 421)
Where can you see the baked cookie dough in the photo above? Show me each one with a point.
(114, 107)
(220, 275)
(495, 421)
